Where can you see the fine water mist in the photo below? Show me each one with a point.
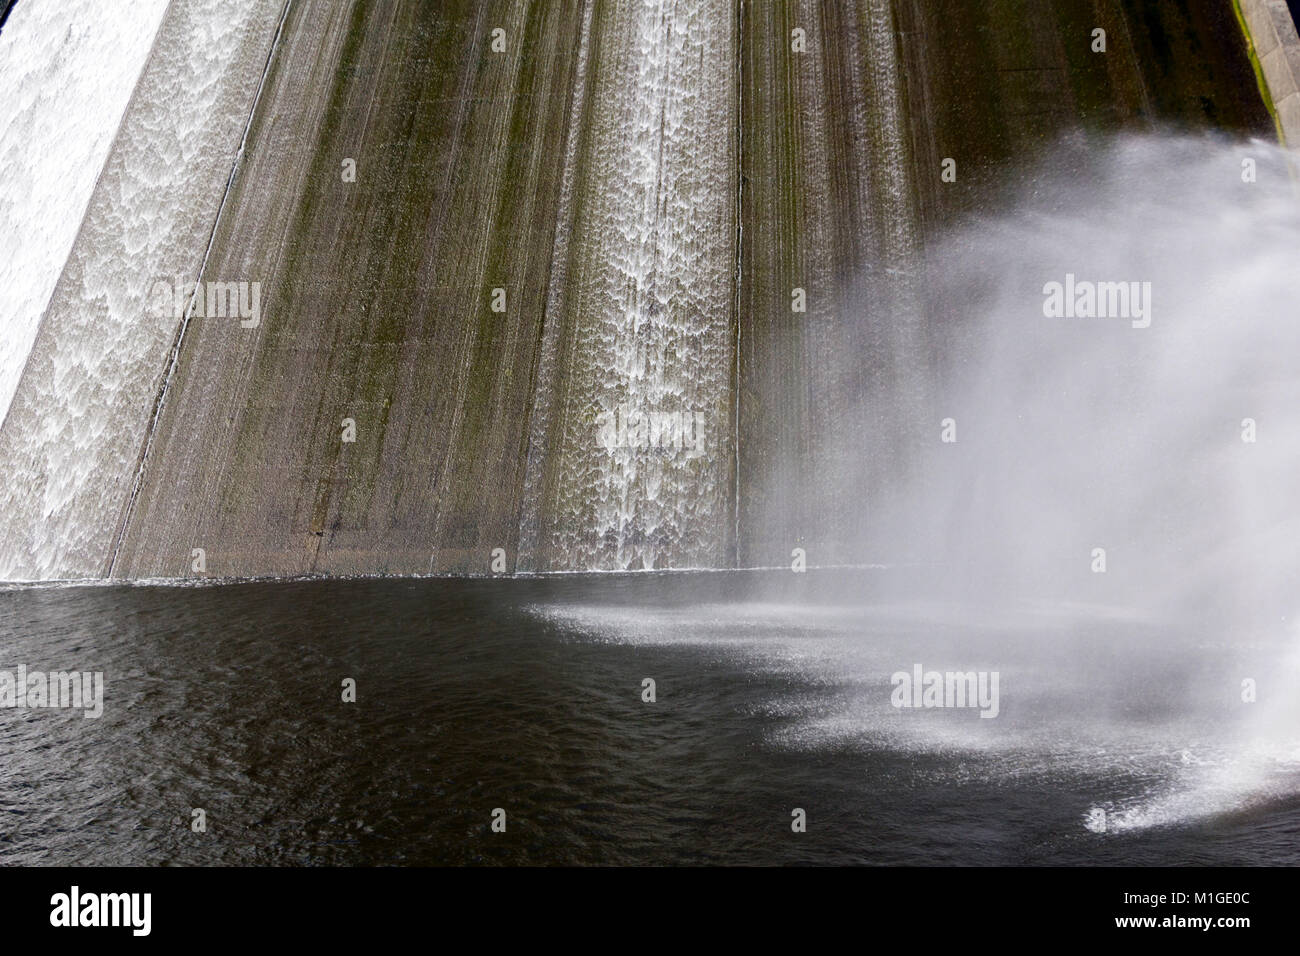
(1112, 530)
(1167, 439)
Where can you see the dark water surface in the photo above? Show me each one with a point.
(525, 694)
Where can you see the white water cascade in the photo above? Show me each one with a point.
(68, 69)
(72, 438)
(645, 471)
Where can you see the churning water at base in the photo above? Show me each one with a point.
(772, 692)
(1149, 714)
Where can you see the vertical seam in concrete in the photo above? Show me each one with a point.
(736, 300)
(1147, 113)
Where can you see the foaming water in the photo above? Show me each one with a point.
(654, 338)
(74, 432)
(1252, 762)
(67, 70)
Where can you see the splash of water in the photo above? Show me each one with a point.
(1144, 462)
(1172, 444)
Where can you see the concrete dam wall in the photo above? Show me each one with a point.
(1275, 46)
(605, 286)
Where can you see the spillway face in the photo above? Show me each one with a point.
(643, 467)
(522, 303)
(586, 286)
(399, 208)
(73, 435)
(833, 373)
(68, 70)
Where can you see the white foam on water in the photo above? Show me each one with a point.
(1258, 764)
(67, 68)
